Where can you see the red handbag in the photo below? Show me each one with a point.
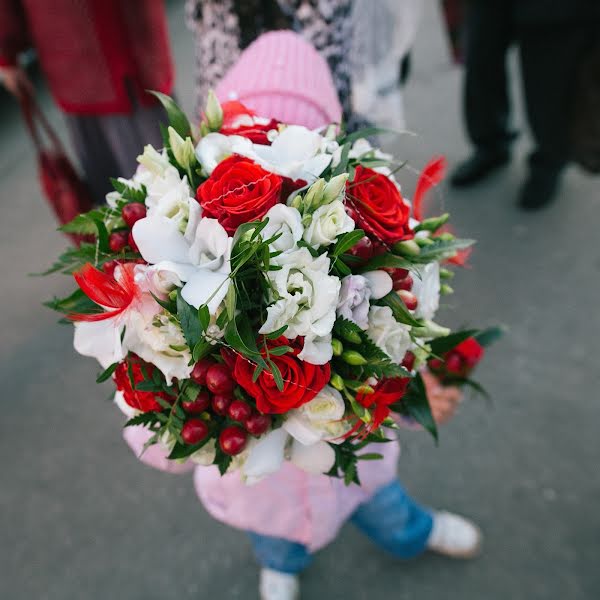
(64, 189)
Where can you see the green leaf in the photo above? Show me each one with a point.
(370, 456)
(488, 336)
(444, 344)
(190, 323)
(177, 119)
(77, 302)
(347, 241)
(166, 304)
(399, 310)
(343, 164)
(387, 260)
(365, 133)
(201, 349)
(101, 233)
(107, 373)
(416, 404)
(230, 300)
(148, 418)
(280, 350)
(441, 250)
(204, 316)
(148, 386)
(129, 193)
(277, 333)
(274, 370)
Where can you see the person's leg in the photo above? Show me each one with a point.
(486, 102)
(280, 554)
(394, 521)
(549, 59)
(281, 561)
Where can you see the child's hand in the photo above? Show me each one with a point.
(442, 400)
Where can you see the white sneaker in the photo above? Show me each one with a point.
(454, 536)
(275, 585)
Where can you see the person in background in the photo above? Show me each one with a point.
(552, 38)
(99, 57)
(223, 28)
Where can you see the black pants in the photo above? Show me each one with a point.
(549, 54)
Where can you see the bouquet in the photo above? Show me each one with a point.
(260, 292)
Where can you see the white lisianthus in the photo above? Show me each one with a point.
(264, 456)
(389, 335)
(214, 148)
(201, 258)
(297, 153)
(426, 287)
(320, 419)
(327, 223)
(305, 295)
(205, 456)
(160, 341)
(353, 303)
(380, 283)
(317, 350)
(285, 222)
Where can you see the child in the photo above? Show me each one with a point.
(291, 514)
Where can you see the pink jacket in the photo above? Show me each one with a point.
(281, 76)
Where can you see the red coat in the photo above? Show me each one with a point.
(92, 51)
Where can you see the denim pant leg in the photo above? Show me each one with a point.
(280, 554)
(394, 521)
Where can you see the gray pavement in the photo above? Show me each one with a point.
(81, 518)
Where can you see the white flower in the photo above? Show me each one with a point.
(205, 456)
(201, 258)
(426, 287)
(353, 303)
(214, 148)
(327, 223)
(152, 162)
(317, 350)
(127, 410)
(170, 196)
(160, 341)
(317, 458)
(305, 295)
(297, 153)
(380, 282)
(286, 222)
(389, 335)
(320, 419)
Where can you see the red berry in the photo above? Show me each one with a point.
(409, 361)
(220, 403)
(118, 240)
(197, 406)
(199, 371)
(454, 363)
(404, 284)
(131, 242)
(397, 274)
(363, 249)
(194, 431)
(239, 411)
(219, 379)
(133, 212)
(110, 266)
(409, 299)
(233, 440)
(257, 423)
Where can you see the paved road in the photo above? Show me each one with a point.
(80, 518)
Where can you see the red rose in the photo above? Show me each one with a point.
(376, 205)
(144, 401)
(471, 352)
(458, 362)
(240, 120)
(301, 380)
(239, 191)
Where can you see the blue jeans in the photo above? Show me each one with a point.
(392, 519)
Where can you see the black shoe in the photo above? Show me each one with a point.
(479, 166)
(540, 189)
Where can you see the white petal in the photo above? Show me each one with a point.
(266, 456)
(317, 458)
(380, 282)
(100, 340)
(206, 286)
(300, 429)
(296, 143)
(127, 410)
(159, 239)
(317, 350)
(194, 217)
(181, 270)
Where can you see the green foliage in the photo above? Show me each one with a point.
(444, 344)
(189, 321)
(399, 310)
(416, 405)
(177, 118)
(77, 302)
(386, 260)
(488, 336)
(107, 373)
(441, 250)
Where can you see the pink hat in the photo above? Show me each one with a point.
(282, 76)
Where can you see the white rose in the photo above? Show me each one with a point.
(426, 287)
(306, 295)
(319, 419)
(389, 335)
(353, 303)
(327, 222)
(285, 222)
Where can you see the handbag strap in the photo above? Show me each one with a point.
(37, 122)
